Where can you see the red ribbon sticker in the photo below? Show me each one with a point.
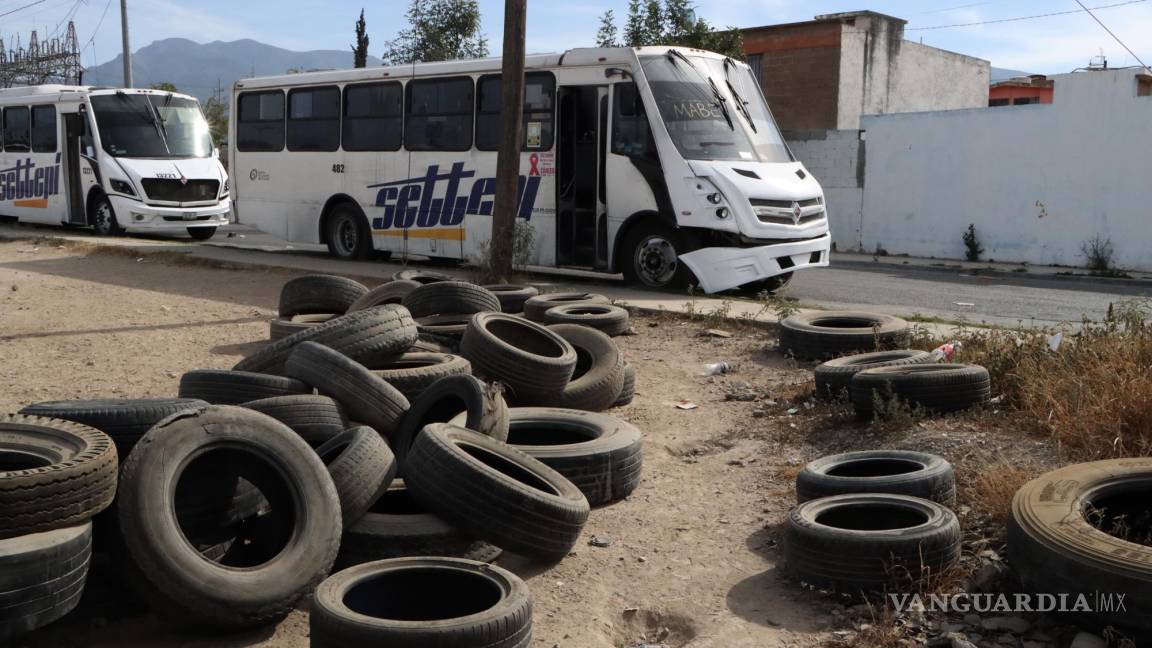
(534, 160)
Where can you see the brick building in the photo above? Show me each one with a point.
(1032, 89)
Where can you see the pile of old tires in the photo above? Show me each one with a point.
(866, 360)
(873, 521)
(358, 441)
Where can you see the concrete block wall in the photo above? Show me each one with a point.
(835, 158)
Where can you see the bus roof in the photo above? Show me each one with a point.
(61, 91)
(573, 57)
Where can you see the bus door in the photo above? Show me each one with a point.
(74, 125)
(581, 205)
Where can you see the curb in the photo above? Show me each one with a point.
(985, 272)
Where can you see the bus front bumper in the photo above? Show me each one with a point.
(724, 268)
(135, 216)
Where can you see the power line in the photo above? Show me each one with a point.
(1101, 23)
(31, 4)
(1047, 15)
(98, 24)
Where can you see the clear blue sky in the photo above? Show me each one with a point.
(1048, 45)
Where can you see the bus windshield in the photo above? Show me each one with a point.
(704, 119)
(151, 126)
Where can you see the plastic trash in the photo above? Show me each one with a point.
(945, 352)
(1054, 341)
(715, 369)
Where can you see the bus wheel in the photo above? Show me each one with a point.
(201, 233)
(104, 218)
(653, 252)
(348, 236)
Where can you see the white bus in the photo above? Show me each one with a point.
(661, 163)
(111, 159)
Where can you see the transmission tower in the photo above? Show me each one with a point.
(56, 60)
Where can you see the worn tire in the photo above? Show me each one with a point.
(397, 526)
(283, 327)
(628, 389)
(364, 395)
(362, 466)
(600, 454)
(180, 583)
(319, 294)
(412, 373)
(371, 335)
(465, 400)
(535, 307)
(223, 387)
(421, 603)
(422, 276)
(495, 493)
(865, 542)
(831, 334)
(609, 319)
(447, 327)
(599, 375)
(934, 387)
(512, 296)
(901, 472)
(391, 292)
(125, 420)
(42, 577)
(450, 298)
(532, 361)
(315, 418)
(1054, 549)
(834, 377)
(53, 474)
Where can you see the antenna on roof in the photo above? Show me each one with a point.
(1099, 62)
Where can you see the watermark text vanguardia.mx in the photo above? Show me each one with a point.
(1020, 602)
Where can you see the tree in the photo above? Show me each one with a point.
(608, 35)
(165, 86)
(440, 30)
(670, 22)
(360, 49)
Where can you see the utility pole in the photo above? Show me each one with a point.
(127, 47)
(508, 161)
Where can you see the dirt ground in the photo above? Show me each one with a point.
(694, 552)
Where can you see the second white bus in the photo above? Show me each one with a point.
(660, 163)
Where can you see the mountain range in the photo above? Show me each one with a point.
(199, 68)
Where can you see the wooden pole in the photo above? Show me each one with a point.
(508, 161)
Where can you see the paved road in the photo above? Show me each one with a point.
(888, 287)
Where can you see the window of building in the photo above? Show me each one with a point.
(1023, 101)
(314, 119)
(539, 104)
(1144, 85)
(373, 117)
(16, 132)
(44, 129)
(438, 115)
(997, 102)
(260, 124)
(631, 134)
(756, 62)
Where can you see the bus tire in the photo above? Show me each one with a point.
(201, 233)
(346, 233)
(652, 256)
(103, 217)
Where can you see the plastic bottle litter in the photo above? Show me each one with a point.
(715, 369)
(945, 352)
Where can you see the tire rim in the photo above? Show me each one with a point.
(345, 236)
(102, 219)
(656, 261)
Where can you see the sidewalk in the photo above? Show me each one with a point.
(987, 268)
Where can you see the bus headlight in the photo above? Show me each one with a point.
(722, 213)
(119, 186)
(715, 198)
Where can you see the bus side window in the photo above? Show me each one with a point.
(260, 123)
(631, 134)
(17, 134)
(373, 117)
(44, 129)
(314, 119)
(539, 107)
(438, 114)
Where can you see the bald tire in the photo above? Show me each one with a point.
(315, 418)
(362, 466)
(834, 377)
(42, 577)
(450, 298)
(628, 389)
(312, 294)
(414, 372)
(535, 307)
(365, 396)
(223, 387)
(599, 374)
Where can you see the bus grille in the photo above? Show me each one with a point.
(181, 192)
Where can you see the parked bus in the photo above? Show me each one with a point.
(662, 163)
(111, 159)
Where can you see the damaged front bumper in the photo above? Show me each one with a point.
(724, 268)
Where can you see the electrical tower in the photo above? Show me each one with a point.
(53, 61)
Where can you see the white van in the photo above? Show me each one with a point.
(662, 163)
(113, 159)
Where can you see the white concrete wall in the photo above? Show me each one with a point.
(834, 158)
(1037, 181)
(929, 78)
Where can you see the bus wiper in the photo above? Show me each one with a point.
(741, 105)
(721, 101)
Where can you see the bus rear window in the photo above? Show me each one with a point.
(260, 124)
(439, 115)
(16, 132)
(314, 119)
(373, 117)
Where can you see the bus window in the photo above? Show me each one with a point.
(260, 123)
(631, 134)
(314, 119)
(44, 129)
(439, 115)
(539, 102)
(16, 136)
(373, 117)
